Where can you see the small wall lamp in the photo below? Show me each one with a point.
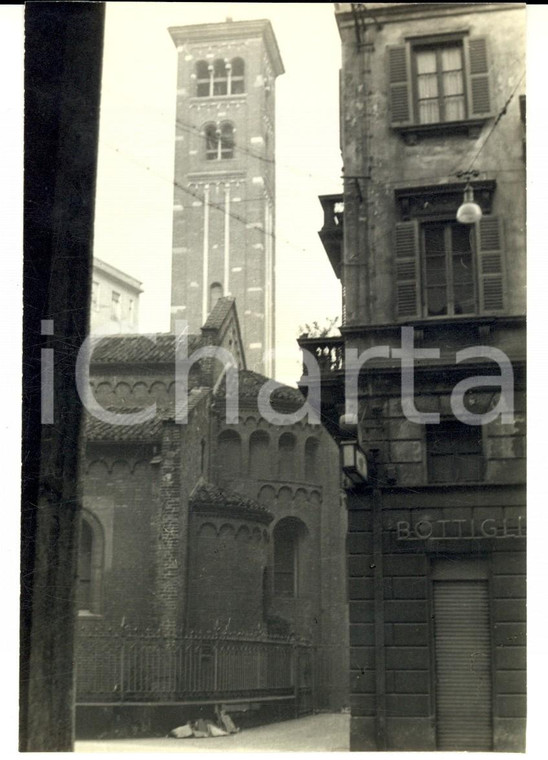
(469, 212)
(354, 461)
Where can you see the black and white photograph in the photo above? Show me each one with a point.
(273, 484)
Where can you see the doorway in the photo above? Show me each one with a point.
(462, 647)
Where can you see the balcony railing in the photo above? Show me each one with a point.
(121, 668)
(331, 234)
(328, 352)
(333, 212)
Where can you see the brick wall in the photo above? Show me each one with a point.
(312, 495)
(227, 560)
(119, 489)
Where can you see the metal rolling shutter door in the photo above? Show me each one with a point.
(463, 665)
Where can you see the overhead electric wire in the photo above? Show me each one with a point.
(220, 207)
(501, 113)
(197, 131)
(394, 182)
(192, 129)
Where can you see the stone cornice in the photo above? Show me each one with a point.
(388, 13)
(229, 30)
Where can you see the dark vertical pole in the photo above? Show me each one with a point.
(63, 56)
(380, 669)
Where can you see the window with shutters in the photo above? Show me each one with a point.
(447, 269)
(454, 452)
(440, 82)
(448, 264)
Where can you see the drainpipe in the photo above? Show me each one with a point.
(380, 664)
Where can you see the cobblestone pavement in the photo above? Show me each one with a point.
(315, 733)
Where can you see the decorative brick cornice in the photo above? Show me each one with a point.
(209, 498)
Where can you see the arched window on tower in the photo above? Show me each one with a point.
(227, 140)
(90, 566)
(220, 77)
(215, 292)
(219, 142)
(289, 536)
(204, 79)
(211, 142)
(237, 73)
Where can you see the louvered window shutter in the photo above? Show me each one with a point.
(490, 265)
(479, 101)
(408, 296)
(399, 79)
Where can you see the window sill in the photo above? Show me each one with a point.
(482, 322)
(476, 485)
(210, 98)
(412, 133)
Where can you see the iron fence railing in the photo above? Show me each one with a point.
(132, 667)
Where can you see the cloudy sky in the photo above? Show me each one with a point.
(135, 172)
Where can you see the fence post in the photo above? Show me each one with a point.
(122, 666)
(315, 662)
(295, 659)
(215, 665)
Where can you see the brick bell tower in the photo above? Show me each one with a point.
(223, 205)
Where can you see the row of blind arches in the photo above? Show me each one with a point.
(289, 535)
(222, 77)
(264, 461)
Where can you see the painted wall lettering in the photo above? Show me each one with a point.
(511, 527)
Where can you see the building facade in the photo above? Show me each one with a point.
(114, 300)
(212, 553)
(432, 112)
(224, 196)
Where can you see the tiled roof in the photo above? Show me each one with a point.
(207, 494)
(251, 382)
(218, 313)
(139, 349)
(97, 430)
